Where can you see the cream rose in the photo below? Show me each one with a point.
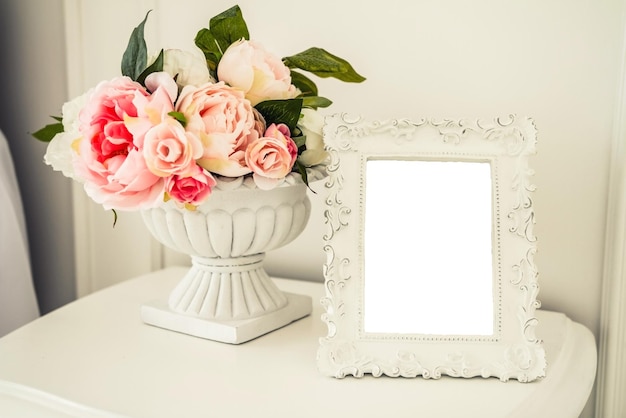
(246, 65)
(224, 121)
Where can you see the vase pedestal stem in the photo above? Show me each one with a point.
(227, 289)
(228, 300)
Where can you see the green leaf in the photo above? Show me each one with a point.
(114, 217)
(179, 117)
(281, 111)
(299, 140)
(324, 64)
(301, 168)
(315, 102)
(48, 132)
(305, 84)
(209, 47)
(135, 57)
(155, 67)
(228, 27)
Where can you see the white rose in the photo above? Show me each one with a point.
(311, 124)
(59, 154)
(71, 109)
(188, 68)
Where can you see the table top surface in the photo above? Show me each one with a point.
(96, 358)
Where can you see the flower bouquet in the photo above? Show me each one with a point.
(216, 149)
(172, 123)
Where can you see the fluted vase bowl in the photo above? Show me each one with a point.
(227, 295)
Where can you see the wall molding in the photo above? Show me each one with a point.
(75, 85)
(100, 262)
(611, 377)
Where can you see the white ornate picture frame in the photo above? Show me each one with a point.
(510, 350)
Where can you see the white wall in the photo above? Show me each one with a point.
(558, 62)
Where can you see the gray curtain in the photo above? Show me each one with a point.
(18, 302)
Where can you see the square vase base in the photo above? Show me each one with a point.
(157, 313)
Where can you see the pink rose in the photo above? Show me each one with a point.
(281, 131)
(271, 157)
(192, 189)
(162, 80)
(246, 65)
(154, 108)
(259, 122)
(224, 121)
(169, 149)
(109, 159)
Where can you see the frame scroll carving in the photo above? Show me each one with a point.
(513, 351)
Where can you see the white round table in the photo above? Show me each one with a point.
(96, 358)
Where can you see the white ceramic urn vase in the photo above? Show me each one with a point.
(227, 295)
